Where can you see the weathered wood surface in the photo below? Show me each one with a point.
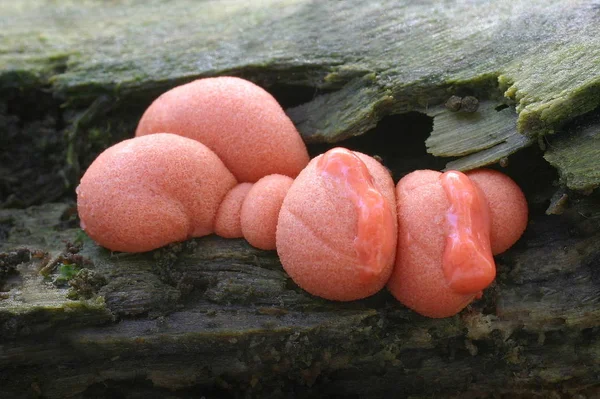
(373, 58)
(217, 317)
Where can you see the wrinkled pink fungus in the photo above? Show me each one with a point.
(441, 216)
(260, 210)
(323, 230)
(242, 123)
(227, 222)
(146, 192)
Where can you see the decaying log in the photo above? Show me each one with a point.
(216, 317)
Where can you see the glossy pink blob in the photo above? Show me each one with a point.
(467, 261)
(324, 225)
(242, 123)
(418, 279)
(374, 227)
(447, 226)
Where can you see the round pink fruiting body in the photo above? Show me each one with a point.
(441, 216)
(146, 192)
(242, 123)
(260, 210)
(227, 221)
(508, 207)
(336, 233)
(467, 262)
(418, 279)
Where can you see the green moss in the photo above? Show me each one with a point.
(576, 156)
(383, 59)
(65, 273)
(85, 284)
(480, 138)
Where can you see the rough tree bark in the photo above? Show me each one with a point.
(217, 317)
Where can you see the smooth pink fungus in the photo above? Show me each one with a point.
(467, 261)
(260, 210)
(146, 192)
(227, 222)
(446, 236)
(336, 234)
(508, 207)
(242, 123)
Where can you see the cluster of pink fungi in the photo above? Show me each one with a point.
(219, 155)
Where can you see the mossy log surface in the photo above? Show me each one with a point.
(219, 318)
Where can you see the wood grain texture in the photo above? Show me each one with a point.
(219, 318)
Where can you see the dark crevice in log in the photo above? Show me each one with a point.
(32, 169)
(399, 140)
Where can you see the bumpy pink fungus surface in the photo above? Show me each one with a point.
(260, 210)
(418, 279)
(323, 230)
(242, 123)
(149, 191)
(227, 222)
(507, 204)
(373, 211)
(443, 213)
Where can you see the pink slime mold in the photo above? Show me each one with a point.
(341, 229)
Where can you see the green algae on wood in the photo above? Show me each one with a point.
(108, 49)
(480, 138)
(331, 117)
(229, 313)
(31, 303)
(461, 133)
(577, 157)
(36, 311)
(371, 60)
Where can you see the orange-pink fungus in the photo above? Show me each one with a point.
(373, 211)
(339, 228)
(260, 210)
(467, 262)
(227, 222)
(146, 192)
(418, 279)
(336, 234)
(508, 207)
(446, 237)
(242, 123)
